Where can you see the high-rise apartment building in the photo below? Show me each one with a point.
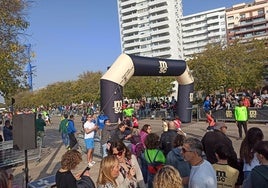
(151, 28)
(202, 28)
(247, 21)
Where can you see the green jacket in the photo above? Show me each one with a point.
(40, 124)
(63, 126)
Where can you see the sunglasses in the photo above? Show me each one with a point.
(184, 150)
(118, 154)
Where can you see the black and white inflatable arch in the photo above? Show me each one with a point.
(113, 81)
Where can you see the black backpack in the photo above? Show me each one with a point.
(85, 182)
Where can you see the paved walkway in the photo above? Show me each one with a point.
(51, 155)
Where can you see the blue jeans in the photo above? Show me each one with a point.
(65, 139)
(144, 167)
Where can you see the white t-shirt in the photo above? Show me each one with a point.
(89, 125)
(253, 163)
(202, 176)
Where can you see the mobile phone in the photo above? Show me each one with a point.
(87, 168)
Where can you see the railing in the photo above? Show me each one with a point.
(10, 156)
(254, 114)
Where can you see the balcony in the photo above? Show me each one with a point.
(193, 20)
(159, 16)
(161, 46)
(194, 26)
(128, 2)
(211, 28)
(156, 2)
(194, 33)
(130, 16)
(132, 30)
(158, 24)
(130, 9)
(131, 37)
(160, 38)
(193, 39)
(158, 9)
(160, 31)
(132, 23)
(252, 17)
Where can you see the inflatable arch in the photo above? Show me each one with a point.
(113, 81)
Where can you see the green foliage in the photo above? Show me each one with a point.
(87, 88)
(13, 54)
(145, 86)
(239, 66)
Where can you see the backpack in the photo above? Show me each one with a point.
(154, 166)
(85, 182)
(139, 149)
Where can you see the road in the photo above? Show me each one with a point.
(51, 155)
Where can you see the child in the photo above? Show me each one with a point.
(226, 175)
(210, 120)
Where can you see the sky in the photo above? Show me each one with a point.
(71, 37)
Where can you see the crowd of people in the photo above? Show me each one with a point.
(135, 156)
(229, 101)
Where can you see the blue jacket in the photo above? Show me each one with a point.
(175, 159)
(71, 128)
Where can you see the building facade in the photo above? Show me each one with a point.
(202, 28)
(151, 28)
(247, 21)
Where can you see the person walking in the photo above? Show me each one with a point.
(40, 128)
(241, 118)
(106, 136)
(71, 132)
(63, 130)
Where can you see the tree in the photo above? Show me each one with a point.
(148, 86)
(238, 66)
(13, 54)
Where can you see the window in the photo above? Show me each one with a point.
(260, 12)
(230, 18)
(230, 24)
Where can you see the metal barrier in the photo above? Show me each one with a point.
(254, 114)
(10, 156)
